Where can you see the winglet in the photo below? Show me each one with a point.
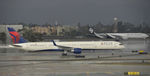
(54, 42)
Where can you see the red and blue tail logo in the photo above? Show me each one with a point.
(15, 36)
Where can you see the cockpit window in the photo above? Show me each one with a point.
(120, 44)
(17, 45)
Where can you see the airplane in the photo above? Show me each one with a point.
(75, 47)
(123, 36)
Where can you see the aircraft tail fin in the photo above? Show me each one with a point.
(91, 30)
(15, 36)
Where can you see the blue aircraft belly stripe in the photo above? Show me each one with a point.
(51, 50)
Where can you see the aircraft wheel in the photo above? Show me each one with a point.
(64, 54)
(80, 56)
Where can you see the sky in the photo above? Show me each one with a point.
(71, 12)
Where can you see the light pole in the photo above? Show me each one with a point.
(115, 28)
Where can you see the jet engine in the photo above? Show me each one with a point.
(76, 50)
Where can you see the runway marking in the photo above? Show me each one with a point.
(77, 59)
(47, 61)
(123, 63)
(111, 73)
(22, 64)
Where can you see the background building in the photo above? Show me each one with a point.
(3, 28)
(62, 30)
(41, 29)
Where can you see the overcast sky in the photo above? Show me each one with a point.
(74, 11)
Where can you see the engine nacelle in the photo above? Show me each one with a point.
(76, 50)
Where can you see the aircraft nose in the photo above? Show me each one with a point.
(10, 46)
(147, 36)
(122, 46)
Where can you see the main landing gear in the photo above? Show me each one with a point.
(64, 53)
(79, 56)
(76, 55)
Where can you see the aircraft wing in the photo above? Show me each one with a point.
(62, 47)
(98, 35)
(68, 49)
(111, 36)
(117, 36)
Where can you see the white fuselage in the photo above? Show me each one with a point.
(37, 46)
(126, 35)
(131, 35)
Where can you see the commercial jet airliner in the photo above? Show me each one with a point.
(118, 35)
(75, 47)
